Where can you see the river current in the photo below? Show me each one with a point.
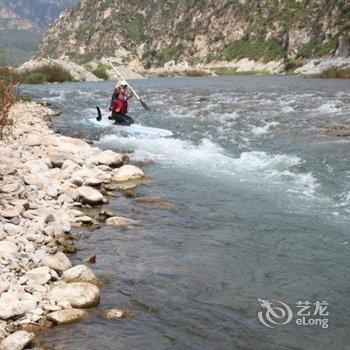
(262, 196)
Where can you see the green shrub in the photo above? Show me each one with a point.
(162, 56)
(101, 73)
(314, 49)
(291, 64)
(46, 74)
(327, 46)
(8, 80)
(307, 50)
(35, 78)
(268, 50)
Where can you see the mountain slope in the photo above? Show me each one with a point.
(40, 13)
(153, 32)
(22, 24)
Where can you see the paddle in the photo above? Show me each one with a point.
(143, 104)
(99, 114)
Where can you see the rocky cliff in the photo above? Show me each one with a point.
(22, 24)
(154, 33)
(36, 13)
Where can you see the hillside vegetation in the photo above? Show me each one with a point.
(22, 25)
(154, 32)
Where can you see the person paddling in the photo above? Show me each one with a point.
(119, 104)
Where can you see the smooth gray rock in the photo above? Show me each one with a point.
(89, 195)
(119, 221)
(127, 172)
(40, 275)
(109, 158)
(59, 262)
(67, 316)
(17, 341)
(79, 273)
(7, 248)
(78, 294)
(11, 305)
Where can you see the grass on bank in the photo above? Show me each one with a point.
(180, 73)
(46, 74)
(8, 83)
(225, 71)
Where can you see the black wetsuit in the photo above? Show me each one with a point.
(121, 119)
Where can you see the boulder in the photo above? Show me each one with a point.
(40, 275)
(11, 305)
(119, 221)
(70, 166)
(10, 213)
(84, 219)
(7, 248)
(127, 172)
(10, 187)
(89, 195)
(32, 140)
(59, 262)
(36, 166)
(78, 294)
(79, 273)
(109, 158)
(92, 182)
(67, 316)
(17, 341)
(11, 229)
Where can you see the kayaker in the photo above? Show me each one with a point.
(119, 104)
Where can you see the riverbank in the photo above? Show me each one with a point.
(321, 68)
(242, 66)
(46, 182)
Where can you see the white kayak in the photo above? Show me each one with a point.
(133, 129)
(140, 130)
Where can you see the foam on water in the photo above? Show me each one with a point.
(210, 159)
(260, 130)
(344, 200)
(288, 109)
(328, 108)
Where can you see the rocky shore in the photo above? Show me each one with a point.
(242, 66)
(46, 182)
(340, 67)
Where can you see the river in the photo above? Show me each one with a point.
(262, 211)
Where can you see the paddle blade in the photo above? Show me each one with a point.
(99, 114)
(145, 106)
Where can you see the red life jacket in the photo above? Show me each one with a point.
(120, 105)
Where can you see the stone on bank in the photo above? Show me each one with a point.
(67, 316)
(78, 294)
(17, 341)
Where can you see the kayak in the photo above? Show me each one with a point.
(133, 129)
(140, 130)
